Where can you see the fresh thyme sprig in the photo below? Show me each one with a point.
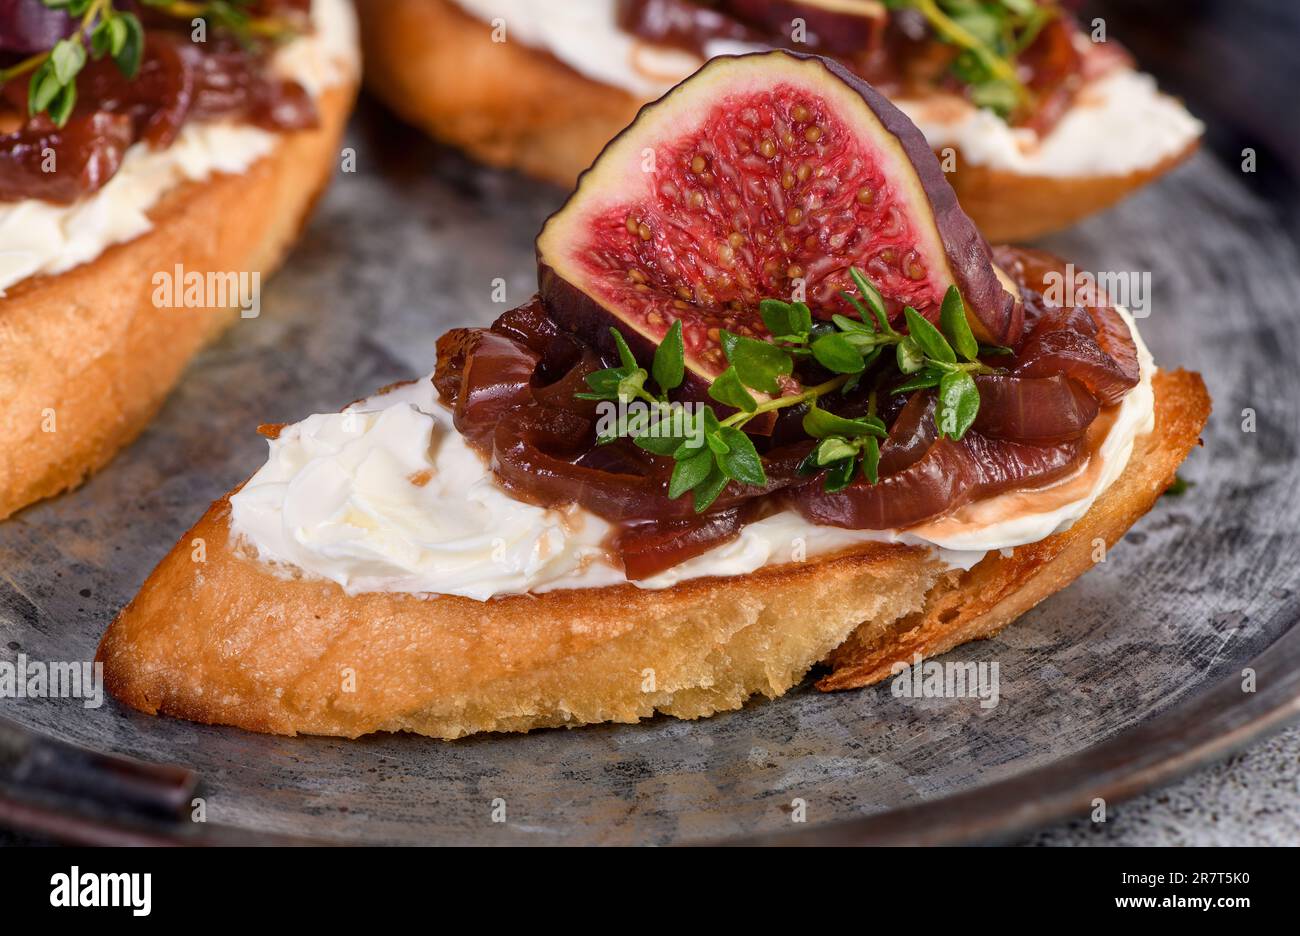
(119, 34)
(710, 451)
(946, 358)
(53, 85)
(990, 34)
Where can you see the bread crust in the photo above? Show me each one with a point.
(1012, 208)
(1001, 588)
(514, 107)
(503, 103)
(290, 656)
(88, 350)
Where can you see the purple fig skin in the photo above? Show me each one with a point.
(836, 31)
(1000, 317)
(996, 316)
(576, 312)
(28, 26)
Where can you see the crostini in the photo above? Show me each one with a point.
(154, 168)
(1038, 122)
(743, 428)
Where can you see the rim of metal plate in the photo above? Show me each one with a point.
(1208, 727)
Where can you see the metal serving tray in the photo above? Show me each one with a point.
(1127, 677)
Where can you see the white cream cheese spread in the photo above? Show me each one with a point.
(38, 237)
(1119, 124)
(387, 496)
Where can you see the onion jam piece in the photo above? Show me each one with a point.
(511, 391)
(178, 80)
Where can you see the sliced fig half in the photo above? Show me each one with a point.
(760, 173)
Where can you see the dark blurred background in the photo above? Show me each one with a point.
(1237, 65)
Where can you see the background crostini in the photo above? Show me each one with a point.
(87, 357)
(513, 106)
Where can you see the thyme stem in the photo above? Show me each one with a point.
(811, 393)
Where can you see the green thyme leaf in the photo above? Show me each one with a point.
(819, 424)
(836, 353)
(956, 328)
(776, 316)
(669, 367)
(1021, 7)
(604, 384)
(833, 449)
(983, 24)
(67, 58)
(839, 475)
(863, 312)
(707, 491)
(690, 472)
(674, 428)
(909, 355)
(757, 363)
(853, 327)
(785, 319)
(637, 422)
(860, 340)
(631, 385)
(925, 378)
(803, 318)
(741, 462)
(1001, 97)
(60, 109)
(929, 338)
(42, 89)
(959, 403)
(728, 389)
(703, 424)
(120, 29)
(871, 296)
(625, 355)
(659, 444)
(101, 39)
(871, 459)
(129, 47)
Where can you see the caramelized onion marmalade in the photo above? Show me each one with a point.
(178, 80)
(511, 391)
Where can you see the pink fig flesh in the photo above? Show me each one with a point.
(762, 176)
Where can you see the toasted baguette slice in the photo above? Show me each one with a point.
(217, 637)
(514, 107)
(85, 357)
